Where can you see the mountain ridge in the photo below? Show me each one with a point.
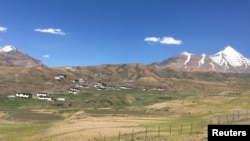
(12, 56)
(184, 73)
(226, 60)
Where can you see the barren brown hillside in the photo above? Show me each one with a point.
(24, 79)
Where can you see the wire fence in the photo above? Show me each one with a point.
(194, 131)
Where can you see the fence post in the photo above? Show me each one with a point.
(170, 130)
(233, 117)
(132, 134)
(201, 125)
(227, 119)
(119, 136)
(191, 128)
(181, 128)
(159, 130)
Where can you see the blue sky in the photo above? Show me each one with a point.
(92, 32)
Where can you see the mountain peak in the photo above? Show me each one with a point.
(12, 56)
(226, 60)
(230, 50)
(186, 53)
(229, 56)
(7, 48)
(228, 47)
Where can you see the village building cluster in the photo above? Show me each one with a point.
(39, 95)
(80, 84)
(101, 86)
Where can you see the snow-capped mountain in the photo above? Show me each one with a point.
(230, 57)
(7, 48)
(226, 60)
(11, 56)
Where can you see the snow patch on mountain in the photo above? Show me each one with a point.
(7, 48)
(202, 61)
(188, 57)
(230, 56)
(11, 56)
(186, 53)
(212, 64)
(226, 60)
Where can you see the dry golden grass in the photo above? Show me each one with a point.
(89, 128)
(199, 100)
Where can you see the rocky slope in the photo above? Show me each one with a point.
(226, 60)
(185, 73)
(11, 56)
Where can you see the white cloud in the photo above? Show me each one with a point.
(3, 29)
(164, 40)
(170, 40)
(151, 39)
(46, 56)
(51, 30)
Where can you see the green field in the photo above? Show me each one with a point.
(181, 116)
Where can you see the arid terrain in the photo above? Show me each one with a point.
(119, 102)
(137, 76)
(127, 70)
(133, 115)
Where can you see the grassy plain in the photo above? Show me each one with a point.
(121, 115)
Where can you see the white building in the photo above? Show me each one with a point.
(41, 94)
(61, 99)
(24, 95)
(125, 87)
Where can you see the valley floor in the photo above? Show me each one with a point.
(133, 115)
